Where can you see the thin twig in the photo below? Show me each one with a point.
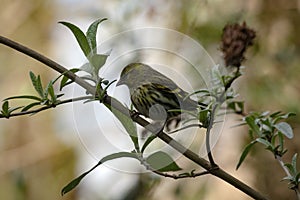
(118, 106)
(279, 159)
(219, 101)
(180, 176)
(207, 138)
(47, 107)
(186, 127)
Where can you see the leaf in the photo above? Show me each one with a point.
(37, 84)
(30, 106)
(10, 110)
(290, 167)
(50, 90)
(285, 129)
(245, 153)
(250, 120)
(275, 114)
(80, 37)
(147, 142)
(204, 91)
(91, 34)
(77, 180)
(294, 161)
(162, 162)
(25, 97)
(64, 80)
(264, 142)
(46, 92)
(98, 60)
(126, 121)
(204, 117)
(119, 155)
(74, 183)
(87, 68)
(283, 116)
(5, 109)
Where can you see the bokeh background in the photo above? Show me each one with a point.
(41, 153)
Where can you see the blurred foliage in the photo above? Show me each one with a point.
(34, 163)
(270, 83)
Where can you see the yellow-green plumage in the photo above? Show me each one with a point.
(148, 87)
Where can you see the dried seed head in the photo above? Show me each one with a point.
(236, 39)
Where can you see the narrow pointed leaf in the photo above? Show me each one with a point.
(24, 97)
(253, 126)
(76, 181)
(10, 110)
(162, 162)
(26, 108)
(127, 123)
(147, 142)
(91, 34)
(50, 91)
(80, 37)
(294, 161)
(5, 107)
(37, 84)
(245, 153)
(64, 81)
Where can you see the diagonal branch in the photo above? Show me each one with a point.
(118, 106)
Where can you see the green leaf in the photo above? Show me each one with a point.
(283, 116)
(264, 142)
(91, 34)
(30, 106)
(290, 167)
(64, 80)
(245, 153)
(204, 91)
(37, 84)
(285, 129)
(294, 161)
(10, 110)
(5, 106)
(74, 183)
(50, 90)
(204, 117)
(237, 106)
(80, 37)
(162, 162)
(77, 180)
(275, 114)
(119, 155)
(250, 120)
(46, 92)
(126, 121)
(87, 68)
(25, 97)
(147, 142)
(98, 60)
(5, 109)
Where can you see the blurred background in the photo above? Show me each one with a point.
(40, 154)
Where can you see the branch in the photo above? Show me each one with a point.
(47, 107)
(207, 138)
(118, 106)
(279, 159)
(180, 176)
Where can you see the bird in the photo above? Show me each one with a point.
(153, 94)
